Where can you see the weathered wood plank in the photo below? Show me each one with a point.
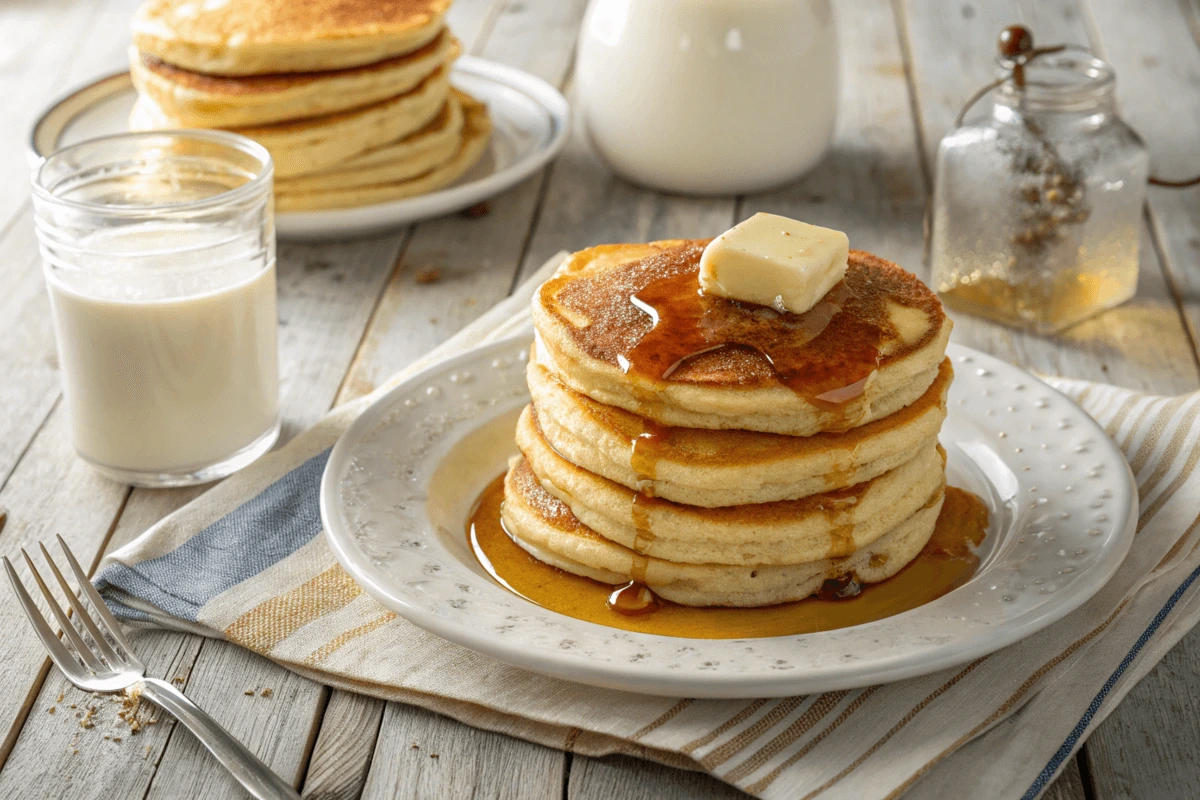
(459, 280)
(345, 747)
(51, 491)
(420, 755)
(39, 490)
(331, 368)
(634, 779)
(40, 38)
(1141, 344)
(30, 387)
(49, 47)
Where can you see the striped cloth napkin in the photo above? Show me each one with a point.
(247, 562)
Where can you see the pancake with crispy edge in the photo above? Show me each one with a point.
(826, 525)
(544, 527)
(256, 37)
(590, 329)
(196, 100)
(477, 131)
(414, 155)
(311, 145)
(711, 468)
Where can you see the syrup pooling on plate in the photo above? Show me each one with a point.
(650, 319)
(947, 562)
(633, 599)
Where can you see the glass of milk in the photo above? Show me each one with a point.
(159, 256)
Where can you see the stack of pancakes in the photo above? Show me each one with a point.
(351, 97)
(725, 454)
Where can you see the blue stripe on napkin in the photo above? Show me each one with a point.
(254, 536)
(1043, 779)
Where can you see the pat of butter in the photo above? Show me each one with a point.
(774, 261)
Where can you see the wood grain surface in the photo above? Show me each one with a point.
(353, 313)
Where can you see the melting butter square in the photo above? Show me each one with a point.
(775, 261)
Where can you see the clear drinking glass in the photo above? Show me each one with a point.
(159, 256)
(1037, 207)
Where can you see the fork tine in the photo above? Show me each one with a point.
(58, 652)
(81, 612)
(106, 618)
(84, 652)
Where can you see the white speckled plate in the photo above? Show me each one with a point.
(402, 480)
(529, 127)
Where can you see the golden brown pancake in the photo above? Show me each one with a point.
(826, 525)
(415, 154)
(304, 146)
(195, 99)
(546, 528)
(627, 326)
(714, 468)
(476, 133)
(256, 37)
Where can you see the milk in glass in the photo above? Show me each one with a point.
(159, 255)
(167, 366)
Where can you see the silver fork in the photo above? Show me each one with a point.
(109, 664)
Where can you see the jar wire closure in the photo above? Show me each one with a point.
(1015, 44)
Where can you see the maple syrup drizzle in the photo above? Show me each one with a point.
(947, 562)
(687, 325)
(643, 534)
(645, 451)
(839, 477)
(841, 540)
(643, 458)
(837, 506)
(650, 319)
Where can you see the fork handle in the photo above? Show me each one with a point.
(249, 770)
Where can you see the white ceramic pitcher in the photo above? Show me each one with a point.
(708, 96)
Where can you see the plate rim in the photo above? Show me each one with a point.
(572, 666)
(324, 224)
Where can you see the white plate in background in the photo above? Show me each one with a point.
(530, 120)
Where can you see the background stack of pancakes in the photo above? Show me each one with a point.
(739, 473)
(351, 97)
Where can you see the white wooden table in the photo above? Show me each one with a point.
(352, 313)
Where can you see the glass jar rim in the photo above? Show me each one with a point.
(1087, 77)
(245, 145)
